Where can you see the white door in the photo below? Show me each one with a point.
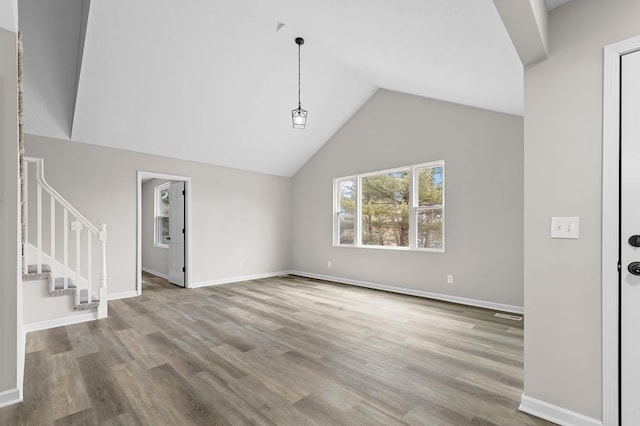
(630, 245)
(176, 233)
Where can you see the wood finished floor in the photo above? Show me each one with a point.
(283, 351)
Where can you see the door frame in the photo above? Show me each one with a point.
(141, 175)
(611, 150)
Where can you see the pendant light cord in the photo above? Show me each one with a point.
(299, 104)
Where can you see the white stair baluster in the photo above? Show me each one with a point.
(65, 255)
(78, 229)
(53, 232)
(104, 297)
(25, 247)
(89, 263)
(39, 229)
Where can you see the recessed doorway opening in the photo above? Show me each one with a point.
(163, 227)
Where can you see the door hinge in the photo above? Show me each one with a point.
(183, 192)
(619, 266)
(183, 270)
(183, 230)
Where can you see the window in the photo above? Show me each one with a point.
(401, 208)
(385, 209)
(346, 210)
(429, 206)
(162, 215)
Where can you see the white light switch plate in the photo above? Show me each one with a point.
(565, 227)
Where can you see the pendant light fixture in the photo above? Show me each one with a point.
(299, 115)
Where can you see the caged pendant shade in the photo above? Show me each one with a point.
(299, 115)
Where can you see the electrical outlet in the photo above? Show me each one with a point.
(449, 279)
(329, 264)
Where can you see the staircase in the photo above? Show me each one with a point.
(59, 257)
(61, 287)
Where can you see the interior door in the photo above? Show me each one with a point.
(630, 240)
(177, 234)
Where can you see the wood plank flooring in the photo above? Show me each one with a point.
(280, 351)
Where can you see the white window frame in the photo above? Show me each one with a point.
(156, 194)
(337, 211)
(413, 208)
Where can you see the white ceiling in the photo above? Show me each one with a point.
(9, 15)
(213, 81)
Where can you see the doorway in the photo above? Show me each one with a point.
(621, 181)
(163, 227)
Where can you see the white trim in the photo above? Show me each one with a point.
(187, 248)
(238, 279)
(122, 295)
(336, 207)
(59, 198)
(20, 333)
(391, 248)
(555, 414)
(610, 225)
(10, 397)
(411, 292)
(156, 273)
(59, 322)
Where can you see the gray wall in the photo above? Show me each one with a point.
(484, 203)
(237, 216)
(10, 298)
(563, 145)
(155, 259)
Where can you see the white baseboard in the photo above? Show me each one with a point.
(555, 414)
(123, 295)
(59, 322)
(156, 273)
(411, 292)
(10, 397)
(238, 279)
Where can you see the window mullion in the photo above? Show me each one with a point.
(412, 208)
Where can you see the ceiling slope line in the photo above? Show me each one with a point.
(526, 23)
(84, 23)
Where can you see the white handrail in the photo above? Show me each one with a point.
(40, 178)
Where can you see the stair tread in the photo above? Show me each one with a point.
(87, 305)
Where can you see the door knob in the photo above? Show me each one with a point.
(634, 240)
(634, 268)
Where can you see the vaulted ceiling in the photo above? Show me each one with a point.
(215, 81)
